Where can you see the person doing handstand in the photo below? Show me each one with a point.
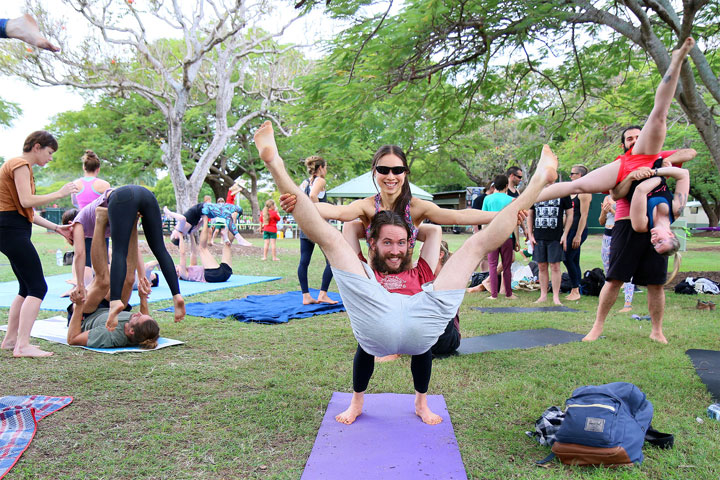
(383, 322)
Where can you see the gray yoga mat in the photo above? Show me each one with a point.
(517, 339)
(554, 308)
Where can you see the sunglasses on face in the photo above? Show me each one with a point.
(382, 170)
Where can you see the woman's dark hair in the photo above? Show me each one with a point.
(313, 163)
(91, 162)
(405, 196)
(45, 139)
(387, 217)
(146, 334)
(500, 182)
(69, 215)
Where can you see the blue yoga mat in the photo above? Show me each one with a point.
(57, 285)
(265, 308)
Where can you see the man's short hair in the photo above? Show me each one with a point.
(501, 182)
(387, 217)
(513, 171)
(631, 127)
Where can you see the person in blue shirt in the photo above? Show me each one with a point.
(494, 203)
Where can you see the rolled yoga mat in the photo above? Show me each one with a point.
(517, 339)
(388, 441)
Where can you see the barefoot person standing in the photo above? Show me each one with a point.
(383, 322)
(17, 200)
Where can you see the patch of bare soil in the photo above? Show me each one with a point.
(216, 250)
(714, 276)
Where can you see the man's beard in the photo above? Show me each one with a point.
(379, 264)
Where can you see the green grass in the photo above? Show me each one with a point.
(245, 401)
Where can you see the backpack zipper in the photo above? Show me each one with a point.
(599, 405)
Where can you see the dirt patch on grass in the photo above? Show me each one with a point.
(216, 250)
(714, 276)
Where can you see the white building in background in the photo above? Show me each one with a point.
(694, 215)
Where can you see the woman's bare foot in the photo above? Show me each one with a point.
(8, 343)
(557, 301)
(547, 166)
(30, 351)
(276, 259)
(308, 300)
(241, 241)
(25, 28)
(179, 302)
(476, 288)
(353, 411)
(625, 309)
(323, 298)
(387, 358)
(573, 296)
(511, 297)
(423, 411)
(682, 52)
(492, 298)
(263, 258)
(541, 300)
(265, 142)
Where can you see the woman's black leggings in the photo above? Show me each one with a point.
(123, 206)
(364, 365)
(306, 251)
(15, 244)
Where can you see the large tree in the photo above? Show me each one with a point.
(218, 58)
(526, 58)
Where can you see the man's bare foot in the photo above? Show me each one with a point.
(8, 344)
(557, 301)
(625, 310)
(276, 259)
(308, 300)
(323, 298)
(30, 351)
(265, 142)
(423, 411)
(573, 297)
(353, 411)
(541, 300)
(593, 335)
(179, 302)
(511, 297)
(25, 28)
(492, 298)
(387, 358)
(658, 337)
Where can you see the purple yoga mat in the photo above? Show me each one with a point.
(387, 441)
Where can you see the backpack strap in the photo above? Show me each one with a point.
(545, 460)
(659, 439)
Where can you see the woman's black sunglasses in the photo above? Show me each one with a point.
(382, 170)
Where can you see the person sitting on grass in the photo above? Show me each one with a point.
(209, 270)
(385, 323)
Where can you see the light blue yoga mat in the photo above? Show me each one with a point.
(57, 285)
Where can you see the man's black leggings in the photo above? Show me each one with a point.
(15, 244)
(364, 365)
(123, 206)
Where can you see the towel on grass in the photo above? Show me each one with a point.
(18, 423)
(265, 308)
(55, 329)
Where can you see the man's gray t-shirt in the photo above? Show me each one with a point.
(99, 336)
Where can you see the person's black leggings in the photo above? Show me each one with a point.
(15, 244)
(123, 206)
(364, 366)
(306, 251)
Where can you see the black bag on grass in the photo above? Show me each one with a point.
(592, 282)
